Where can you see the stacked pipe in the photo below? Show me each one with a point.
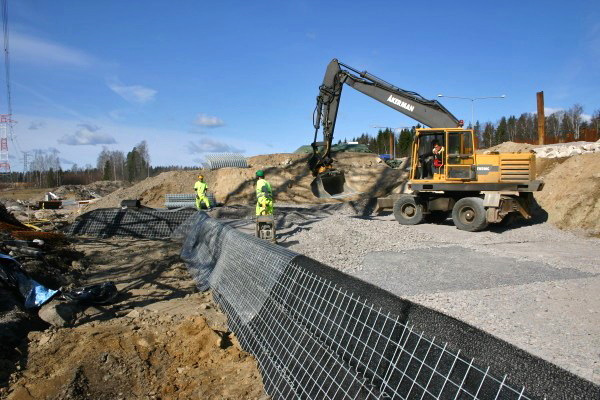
(216, 161)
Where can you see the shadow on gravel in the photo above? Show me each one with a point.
(288, 244)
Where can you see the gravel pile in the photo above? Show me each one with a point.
(342, 241)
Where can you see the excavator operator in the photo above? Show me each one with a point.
(432, 159)
(264, 195)
(200, 187)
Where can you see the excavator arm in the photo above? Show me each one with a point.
(428, 112)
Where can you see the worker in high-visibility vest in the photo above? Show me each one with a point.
(264, 195)
(200, 187)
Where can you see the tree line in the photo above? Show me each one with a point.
(44, 168)
(560, 127)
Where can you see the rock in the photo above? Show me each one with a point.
(44, 339)
(133, 314)
(59, 313)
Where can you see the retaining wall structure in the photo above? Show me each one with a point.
(320, 334)
(148, 223)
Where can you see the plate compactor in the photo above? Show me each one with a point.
(265, 227)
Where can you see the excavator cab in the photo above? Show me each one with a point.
(457, 159)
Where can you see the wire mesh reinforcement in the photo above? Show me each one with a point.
(216, 161)
(315, 340)
(186, 200)
(145, 223)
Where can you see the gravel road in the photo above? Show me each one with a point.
(532, 285)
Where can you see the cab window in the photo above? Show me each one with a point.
(460, 148)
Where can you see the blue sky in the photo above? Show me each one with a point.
(193, 77)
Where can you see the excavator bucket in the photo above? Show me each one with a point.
(331, 185)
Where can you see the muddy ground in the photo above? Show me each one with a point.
(160, 339)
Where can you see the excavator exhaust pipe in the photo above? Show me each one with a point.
(331, 184)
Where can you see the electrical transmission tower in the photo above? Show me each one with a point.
(5, 122)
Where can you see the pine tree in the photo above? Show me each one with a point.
(501, 132)
(488, 134)
(107, 168)
(405, 143)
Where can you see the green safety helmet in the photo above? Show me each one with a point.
(260, 173)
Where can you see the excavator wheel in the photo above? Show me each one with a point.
(468, 214)
(408, 211)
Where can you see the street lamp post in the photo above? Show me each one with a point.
(473, 103)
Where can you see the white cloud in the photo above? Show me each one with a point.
(87, 134)
(549, 110)
(209, 121)
(36, 125)
(133, 93)
(37, 51)
(208, 145)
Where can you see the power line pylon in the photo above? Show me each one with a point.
(5, 122)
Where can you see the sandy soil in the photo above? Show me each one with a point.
(160, 339)
(571, 195)
(287, 173)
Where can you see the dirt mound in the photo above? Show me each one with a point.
(288, 174)
(93, 190)
(571, 194)
(510, 147)
(148, 355)
(6, 217)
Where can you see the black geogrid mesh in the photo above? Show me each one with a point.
(315, 340)
(147, 223)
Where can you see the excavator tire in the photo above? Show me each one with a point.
(408, 211)
(468, 214)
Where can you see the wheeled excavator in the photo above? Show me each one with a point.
(474, 189)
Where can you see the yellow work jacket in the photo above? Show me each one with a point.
(201, 188)
(263, 188)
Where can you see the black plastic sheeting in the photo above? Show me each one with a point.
(33, 293)
(319, 333)
(144, 223)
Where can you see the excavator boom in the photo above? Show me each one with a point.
(330, 182)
